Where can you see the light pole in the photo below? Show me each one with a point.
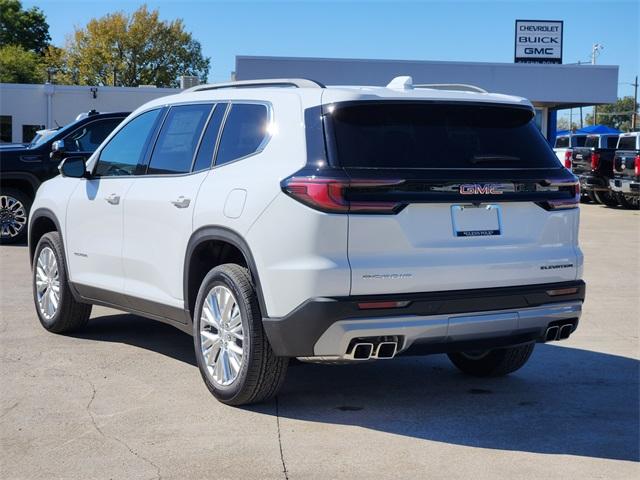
(595, 51)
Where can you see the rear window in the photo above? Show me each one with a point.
(612, 141)
(591, 142)
(627, 143)
(437, 136)
(562, 142)
(578, 140)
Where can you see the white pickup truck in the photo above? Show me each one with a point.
(565, 144)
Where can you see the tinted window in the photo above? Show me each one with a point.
(125, 150)
(437, 135)
(178, 139)
(29, 132)
(89, 137)
(204, 159)
(612, 141)
(591, 142)
(5, 129)
(244, 131)
(627, 143)
(562, 142)
(578, 140)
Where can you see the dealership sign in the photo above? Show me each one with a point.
(538, 41)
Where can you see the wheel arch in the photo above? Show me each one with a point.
(216, 236)
(42, 221)
(23, 181)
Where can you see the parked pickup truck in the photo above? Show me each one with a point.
(593, 165)
(565, 144)
(24, 167)
(626, 170)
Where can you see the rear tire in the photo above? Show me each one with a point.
(492, 363)
(234, 356)
(14, 211)
(606, 198)
(57, 310)
(631, 202)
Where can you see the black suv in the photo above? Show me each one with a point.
(24, 167)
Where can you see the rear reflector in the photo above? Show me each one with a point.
(372, 305)
(562, 291)
(330, 194)
(563, 204)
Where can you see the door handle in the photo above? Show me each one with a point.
(113, 199)
(181, 202)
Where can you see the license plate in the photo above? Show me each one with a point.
(475, 221)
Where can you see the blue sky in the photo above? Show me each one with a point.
(424, 30)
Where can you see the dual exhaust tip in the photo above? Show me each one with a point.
(370, 350)
(558, 332)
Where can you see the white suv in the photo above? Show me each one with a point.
(282, 218)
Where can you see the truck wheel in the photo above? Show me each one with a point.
(629, 201)
(492, 363)
(585, 198)
(606, 198)
(235, 359)
(57, 310)
(14, 211)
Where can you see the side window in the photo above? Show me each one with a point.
(178, 139)
(204, 159)
(89, 137)
(244, 131)
(125, 150)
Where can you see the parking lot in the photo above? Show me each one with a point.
(124, 399)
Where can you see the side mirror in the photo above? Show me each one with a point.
(57, 146)
(73, 167)
(57, 149)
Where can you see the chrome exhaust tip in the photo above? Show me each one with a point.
(386, 350)
(565, 331)
(552, 334)
(361, 351)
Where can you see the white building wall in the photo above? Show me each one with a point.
(29, 105)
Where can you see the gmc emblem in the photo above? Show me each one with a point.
(478, 189)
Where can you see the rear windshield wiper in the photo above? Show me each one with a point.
(493, 158)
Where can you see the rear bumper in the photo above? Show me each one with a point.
(590, 183)
(625, 185)
(441, 321)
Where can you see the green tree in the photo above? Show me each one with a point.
(130, 50)
(26, 28)
(615, 115)
(563, 124)
(18, 65)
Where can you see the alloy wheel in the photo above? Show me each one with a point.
(47, 283)
(221, 336)
(13, 216)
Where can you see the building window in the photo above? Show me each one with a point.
(29, 131)
(5, 129)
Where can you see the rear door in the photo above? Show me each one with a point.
(158, 211)
(473, 197)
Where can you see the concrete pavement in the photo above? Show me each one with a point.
(124, 399)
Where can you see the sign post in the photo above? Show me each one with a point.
(538, 41)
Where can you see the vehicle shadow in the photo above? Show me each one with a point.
(565, 401)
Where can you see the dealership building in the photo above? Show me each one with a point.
(550, 87)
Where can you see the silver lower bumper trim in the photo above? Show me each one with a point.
(624, 186)
(333, 343)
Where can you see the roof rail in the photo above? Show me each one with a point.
(265, 83)
(459, 87)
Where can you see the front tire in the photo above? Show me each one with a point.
(234, 356)
(492, 363)
(57, 310)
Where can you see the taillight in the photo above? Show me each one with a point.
(565, 203)
(567, 159)
(595, 160)
(330, 194)
(637, 165)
